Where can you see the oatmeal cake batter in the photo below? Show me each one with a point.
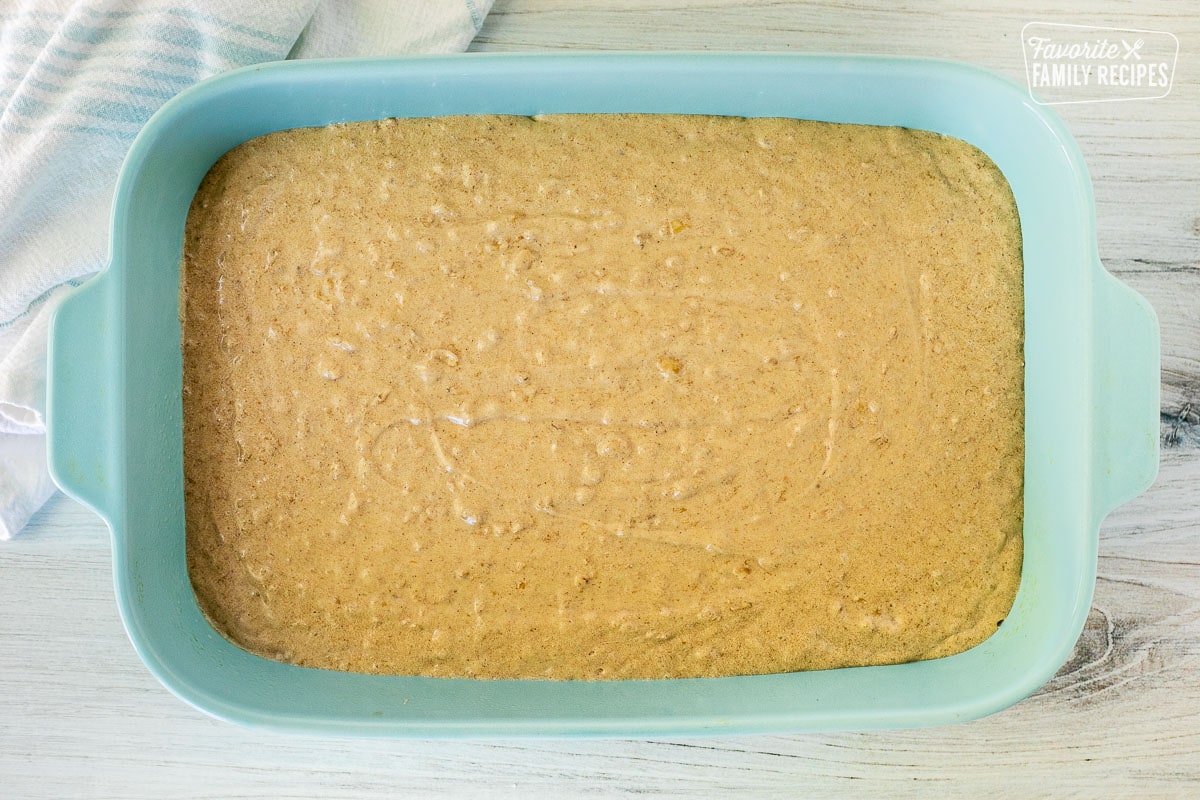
(603, 396)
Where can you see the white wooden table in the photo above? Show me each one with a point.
(80, 716)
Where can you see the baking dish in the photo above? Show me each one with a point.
(1091, 418)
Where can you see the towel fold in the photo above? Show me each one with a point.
(77, 82)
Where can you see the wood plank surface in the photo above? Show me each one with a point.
(81, 717)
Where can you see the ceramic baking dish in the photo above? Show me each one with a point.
(1092, 375)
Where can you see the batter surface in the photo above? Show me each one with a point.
(603, 396)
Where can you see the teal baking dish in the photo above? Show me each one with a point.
(1092, 376)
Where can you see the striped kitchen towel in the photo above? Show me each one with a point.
(77, 82)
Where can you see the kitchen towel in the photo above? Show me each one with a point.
(77, 82)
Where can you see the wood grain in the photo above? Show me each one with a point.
(80, 716)
(79, 710)
(1144, 157)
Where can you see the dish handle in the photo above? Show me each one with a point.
(81, 405)
(1125, 394)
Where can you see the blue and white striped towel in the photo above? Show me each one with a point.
(77, 82)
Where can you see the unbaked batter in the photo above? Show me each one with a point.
(603, 396)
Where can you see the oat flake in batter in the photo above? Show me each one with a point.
(603, 396)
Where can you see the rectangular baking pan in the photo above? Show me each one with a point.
(1091, 383)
